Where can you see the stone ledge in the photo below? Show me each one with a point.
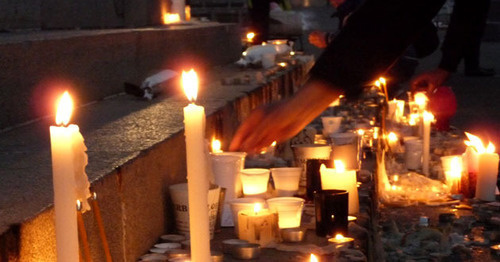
(135, 148)
(97, 62)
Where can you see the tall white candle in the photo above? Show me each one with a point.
(339, 178)
(487, 174)
(197, 177)
(428, 118)
(68, 164)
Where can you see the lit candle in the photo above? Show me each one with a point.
(383, 84)
(313, 258)
(487, 168)
(421, 102)
(187, 12)
(169, 18)
(254, 182)
(454, 174)
(339, 178)
(216, 146)
(340, 240)
(197, 177)
(70, 181)
(258, 226)
(428, 118)
(250, 36)
(393, 141)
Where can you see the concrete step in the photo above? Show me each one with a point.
(94, 64)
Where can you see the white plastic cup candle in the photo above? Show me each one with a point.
(331, 124)
(289, 210)
(286, 180)
(346, 148)
(226, 170)
(241, 204)
(254, 182)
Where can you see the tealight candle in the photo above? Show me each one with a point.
(286, 180)
(241, 204)
(313, 258)
(340, 240)
(254, 182)
(259, 226)
(289, 210)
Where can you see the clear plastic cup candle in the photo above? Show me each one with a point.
(286, 180)
(289, 210)
(254, 182)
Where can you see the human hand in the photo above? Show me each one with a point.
(282, 120)
(318, 39)
(430, 80)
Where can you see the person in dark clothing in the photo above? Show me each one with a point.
(462, 41)
(377, 34)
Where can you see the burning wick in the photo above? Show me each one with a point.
(292, 53)
(216, 146)
(282, 64)
(257, 208)
(313, 258)
(250, 36)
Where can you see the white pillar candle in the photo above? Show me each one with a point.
(487, 174)
(70, 182)
(428, 118)
(254, 182)
(339, 178)
(197, 177)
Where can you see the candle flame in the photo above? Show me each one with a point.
(244, 53)
(313, 258)
(392, 137)
(421, 99)
(169, 18)
(361, 132)
(382, 80)
(413, 119)
(339, 166)
(64, 109)
(216, 146)
(377, 83)
(476, 143)
(264, 43)
(250, 36)
(190, 84)
(292, 53)
(257, 207)
(339, 237)
(282, 64)
(187, 12)
(395, 178)
(274, 143)
(428, 116)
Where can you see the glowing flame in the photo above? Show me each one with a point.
(339, 237)
(244, 53)
(456, 167)
(169, 18)
(292, 53)
(257, 208)
(313, 258)
(64, 109)
(382, 81)
(395, 178)
(264, 43)
(361, 132)
(250, 36)
(339, 166)
(377, 84)
(392, 137)
(274, 143)
(190, 84)
(428, 116)
(216, 146)
(413, 119)
(282, 64)
(187, 12)
(421, 100)
(478, 145)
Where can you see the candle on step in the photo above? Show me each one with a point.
(70, 181)
(258, 226)
(340, 178)
(197, 177)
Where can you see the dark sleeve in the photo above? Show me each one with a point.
(371, 41)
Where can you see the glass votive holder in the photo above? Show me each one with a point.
(241, 204)
(286, 180)
(254, 182)
(331, 212)
(413, 154)
(289, 210)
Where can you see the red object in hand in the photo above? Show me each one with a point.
(443, 104)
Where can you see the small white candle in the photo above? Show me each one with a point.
(258, 226)
(70, 182)
(313, 258)
(339, 178)
(197, 176)
(428, 118)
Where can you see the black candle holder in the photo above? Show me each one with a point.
(331, 212)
